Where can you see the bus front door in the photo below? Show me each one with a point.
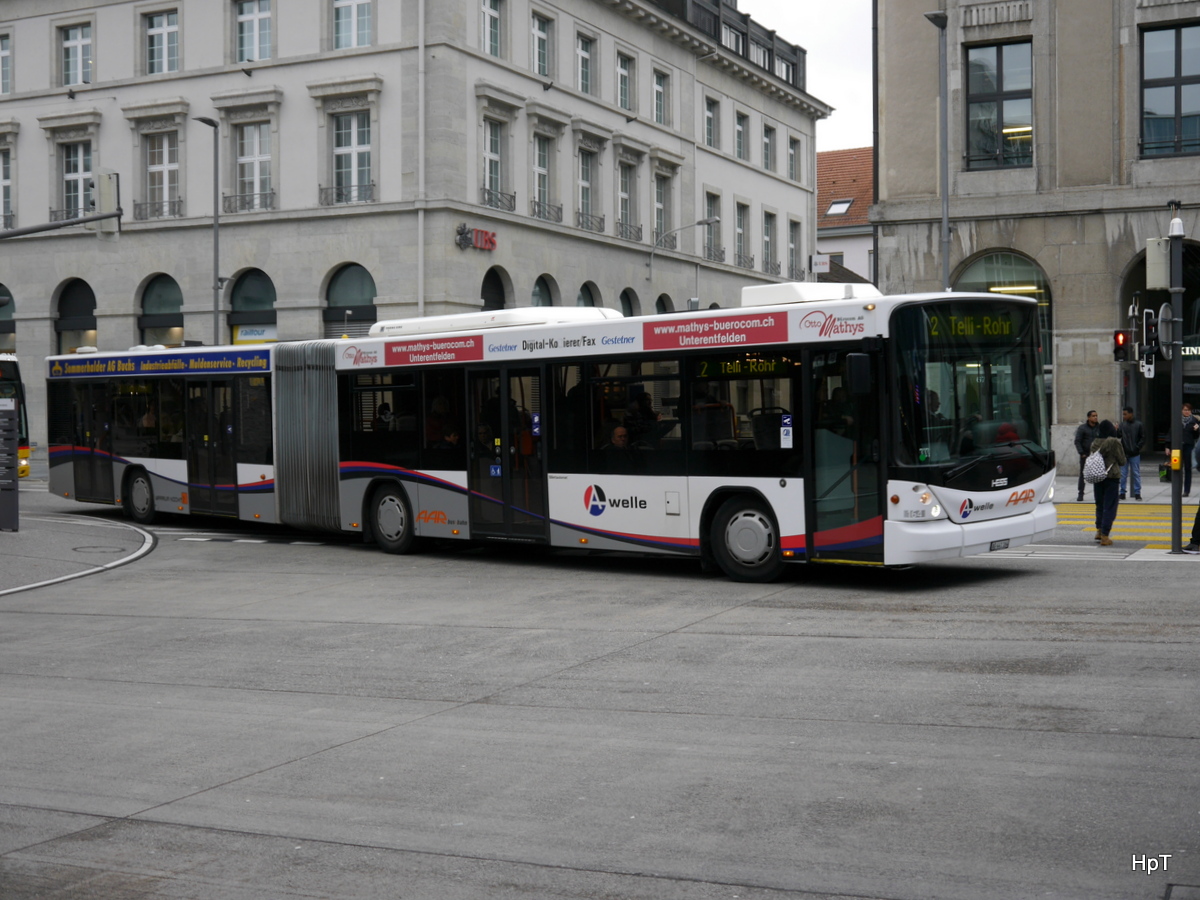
(212, 470)
(506, 475)
(93, 443)
(845, 475)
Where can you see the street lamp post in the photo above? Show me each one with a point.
(215, 126)
(939, 20)
(1175, 235)
(711, 220)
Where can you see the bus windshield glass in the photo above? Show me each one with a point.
(971, 388)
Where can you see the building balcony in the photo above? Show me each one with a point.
(547, 212)
(236, 203)
(629, 232)
(158, 209)
(8, 221)
(665, 240)
(743, 261)
(588, 222)
(350, 193)
(498, 199)
(796, 273)
(772, 268)
(714, 254)
(65, 215)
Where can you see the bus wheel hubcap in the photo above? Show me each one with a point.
(749, 537)
(141, 495)
(391, 518)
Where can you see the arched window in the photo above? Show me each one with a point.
(161, 321)
(1004, 272)
(492, 291)
(8, 324)
(629, 303)
(252, 302)
(350, 302)
(663, 304)
(586, 296)
(541, 295)
(76, 322)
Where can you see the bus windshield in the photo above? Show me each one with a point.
(970, 389)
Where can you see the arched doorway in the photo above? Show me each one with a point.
(542, 294)
(663, 304)
(492, 291)
(349, 302)
(630, 305)
(252, 303)
(76, 322)
(161, 321)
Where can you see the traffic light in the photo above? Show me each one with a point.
(1121, 343)
(1149, 333)
(104, 189)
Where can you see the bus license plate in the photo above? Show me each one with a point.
(999, 545)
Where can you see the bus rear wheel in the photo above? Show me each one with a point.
(745, 540)
(391, 519)
(139, 499)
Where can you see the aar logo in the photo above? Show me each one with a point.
(594, 500)
(965, 510)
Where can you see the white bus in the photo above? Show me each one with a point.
(815, 423)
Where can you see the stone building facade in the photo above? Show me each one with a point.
(379, 160)
(1072, 123)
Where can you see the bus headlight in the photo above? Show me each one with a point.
(935, 511)
(1049, 494)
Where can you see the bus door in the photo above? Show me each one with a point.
(507, 474)
(212, 470)
(844, 459)
(93, 443)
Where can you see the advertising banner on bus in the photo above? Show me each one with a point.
(715, 331)
(218, 362)
(460, 348)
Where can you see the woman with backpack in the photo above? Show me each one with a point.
(1107, 489)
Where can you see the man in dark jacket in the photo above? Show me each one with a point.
(1084, 435)
(1133, 436)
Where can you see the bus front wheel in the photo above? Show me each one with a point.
(391, 519)
(745, 540)
(139, 499)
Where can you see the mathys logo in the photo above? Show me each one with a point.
(594, 500)
(819, 325)
(356, 356)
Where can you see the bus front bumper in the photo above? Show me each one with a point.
(909, 543)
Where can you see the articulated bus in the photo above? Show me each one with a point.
(12, 388)
(816, 422)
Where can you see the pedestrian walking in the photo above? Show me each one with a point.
(1106, 491)
(1084, 435)
(1133, 437)
(1191, 430)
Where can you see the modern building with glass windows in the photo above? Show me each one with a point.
(389, 159)
(1071, 125)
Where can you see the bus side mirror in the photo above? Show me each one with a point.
(858, 374)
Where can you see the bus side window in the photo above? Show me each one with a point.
(253, 429)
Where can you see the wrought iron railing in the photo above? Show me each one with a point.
(796, 273)
(547, 211)
(65, 215)
(589, 222)
(9, 221)
(350, 193)
(498, 199)
(158, 209)
(665, 240)
(629, 232)
(248, 202)
(716, 254)
(772, 268)
(741, 259)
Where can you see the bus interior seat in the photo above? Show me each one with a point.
(765, 425)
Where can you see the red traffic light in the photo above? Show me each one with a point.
(1121, 342)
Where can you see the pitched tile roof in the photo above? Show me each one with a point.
(845, 175)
